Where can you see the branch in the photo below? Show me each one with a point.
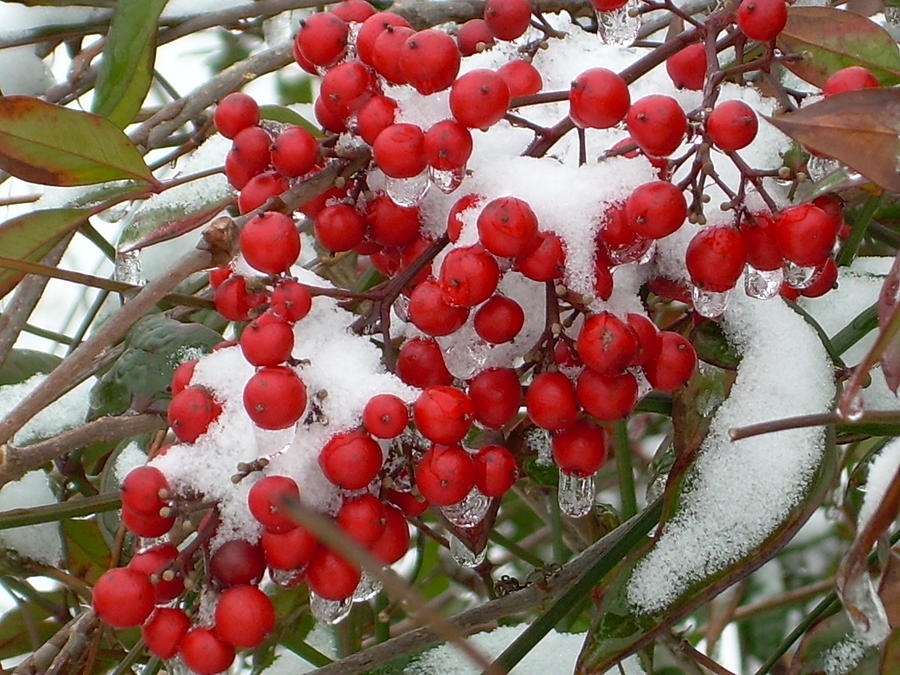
(16, 461)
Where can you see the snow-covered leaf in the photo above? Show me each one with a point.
(21, 364)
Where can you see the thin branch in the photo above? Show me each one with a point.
(815, 420)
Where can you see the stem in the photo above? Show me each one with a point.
(516, 550)
(76, 508)
(860, 326)
(559, 548)
(827, 606)
(624, 470)
(860, 225)
(815, 420)
(382, 628)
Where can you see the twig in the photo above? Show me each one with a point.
(695, 654)
(815, 420)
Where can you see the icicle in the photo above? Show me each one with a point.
(892, 15)
(465, 556)
(763, 284)
(468, 512)
(407, 191)
(285, 578)
(640, 252)
(401, 307)
(819, 167)
(617, 27)
(709, 303)
(144, 543)
(367, 588)
(643, 384)
(854, 408)
(575, 494)
(128, 267)
(329, 611)
(447, 181)
(799, 276)
(175, 666)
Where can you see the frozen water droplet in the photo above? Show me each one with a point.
(865, 609)
(799, 276)
(447, 181)
(285, 578)
(175, 666)
(538, 441)
(643, 384)
(709, 303)
(640, 252)
(616, 27)
(329, 611)
(465, 357)
(465, 556)
(892, 15)
(407, 191)
(575, 494)
(401, 307)
(367, 588)
(143, 543)
(854, 409)
(468, 512)
(128, 267)
(819, 167)
(763, 284)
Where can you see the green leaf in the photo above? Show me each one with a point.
(87, 555)
(712, 346)
(279, 113)
(21, 364)
(14, 635)
(835, 39)
(126, 69)
(31, 235)
(45, 143)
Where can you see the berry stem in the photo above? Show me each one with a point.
(624, 469)
(816, 420)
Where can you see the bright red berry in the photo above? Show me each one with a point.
(761, 241)
(235, 112)
(598, 98)
(234, 301)
(657, 124)
(164, 630)
(362, 518)
(260, 189)
(507, 19)
(606, 343)
(522, 78)
(291, 300)
(152, 525)
(339, 227)
(673, 364)
(350, 460)
(387, 53)
(448, 145)
(852, 78)
(431, 314)
(289, 550)
(322, 38)
(687, 68)
(204, 652)
(244, 616)
(715, 258)
(385, 416)
(732, 125)
(443, 414)
(275, 397)
(495, 470)
(375, 115)
(647, 335)
(331, 576)
(496, 396)
(191, 412)
(762, 20)
(479, 98)
(507, 227)
(371, 29)
(606, 397)
(399, 151)
(353, 10)
(346, 87)
(294, 152)
(499, 319)
(153, 562)
(445, 474)
(550, 401)
(469, 276)
(546, 261)
(580, 449)
(394, 541)
(270, 242)
(430, 61)
(805, 233)
(656, 209)
(420, 363)
(473, 36)
(824, 280)
(142, 488)
(390, 224)
(123, 597)
(251, 149)
(266, 499)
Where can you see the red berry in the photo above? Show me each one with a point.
(205, 653)
(329, 120)
(496, 396)
(606, 397)
(443, 414)
(391, 224)
(266, 498)
(233, 301)
(608, 5)
(289, 550)
(479, 98)
(270, 242)
(275, 397)
(350, 460)
(473, 36)
(237, 562)
(469, 276)
(123, 597)
(715, 258)
(346, 87)
(371, 28)
(761, 241)
(673, 364)
(732, 125)
(322, 38)
(164, 630)
(647, 335)
(762, 20)
(294, 152)
(431, 314)
(499, 319)
(153, 562)
(448, 145)
(260, 189)
(656, 209)
(507, 227)
(657, 124)
(507, 19)
(181, 378)
(546, 261)
(251, 149)
(291, 300)
(603, 280)
(606, 343)
(235, 112)
(824, 279)
(550, 401)
(191, 412)
(339, 227)
(375, 115)
(581, 449)
(142, 525)
(394, 541)
(331, 576)
(805, 233)
(617, 239)
(430, 61)
(385, 416)
(141, 490)
(687, 68)
(495, 470)
(407, 502)
(244, 616)
(454, 217)
(237, 174)
(399, 151)
(387, 53)
(522, 78)
(353, 10)
(851, 78)
(598, 98)
(420, 363)
(362, 519)
(445, 474)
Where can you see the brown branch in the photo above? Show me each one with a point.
(815, 420)
(16, 461)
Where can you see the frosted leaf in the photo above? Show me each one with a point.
(407, 191)
(710, 304)
(762, 284)
(329, 611)
(39, 542)
(66, 412)
(575, 494)
(469, 511)
(463, 555)
(799, 276)
(616, 27)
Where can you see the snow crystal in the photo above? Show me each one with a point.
(130, 457)
(23, 72)
(844, 656)
(38, 542)
(66, 412)
(881, 472)
(741, 491)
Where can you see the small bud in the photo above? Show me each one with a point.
(784, 172)
(706, 199)
(165, 512)
(164, 494)
(726, 206)
(801, 177)
(555, 329)
(168, 575)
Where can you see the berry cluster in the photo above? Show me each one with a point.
(459, 272)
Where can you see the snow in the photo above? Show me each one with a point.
(130, 457)
(844, 656)
(66, 412)
(38, 542)
(882, 472)
(741, 491)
